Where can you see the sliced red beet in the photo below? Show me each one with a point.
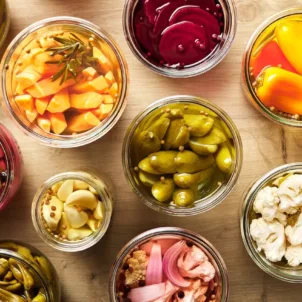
(270, 55)
(204, 4)
(184, 43)
(143, 36)
(151, 7)
(2, 165)
(199, 17)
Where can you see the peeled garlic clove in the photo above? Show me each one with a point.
(64, 225)
(94, 224)
(75, 218)
(99, 211)
(79, 234)
(93, 190)
(82, 198)
(52, 212)
(80, 185)
(55, 188)
(65, 190)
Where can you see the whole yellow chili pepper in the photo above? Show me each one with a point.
(281, 89)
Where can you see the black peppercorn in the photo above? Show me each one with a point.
(125, 266)
(3, 177)
(189, 243)
(141, 283)
(180, 294)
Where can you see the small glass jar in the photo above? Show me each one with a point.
(39, 29)
(247, 83)
(208, 202)
(213, 59)
(104, 189)
(39, 265)
(11, 161)
(215, 258)
(4, 21)
(281, 272)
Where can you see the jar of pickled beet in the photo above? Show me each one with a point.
(270, 221)
(11, 167)
(4, 21)
(182, 38)
(26, 274)
(168, 263)
(64, 82)
(72, 211)
(182, 155)
(271, 68)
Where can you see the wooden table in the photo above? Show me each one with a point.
(84, 275)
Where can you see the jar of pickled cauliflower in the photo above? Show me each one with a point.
(11, 167)
(26, 274)
(72, 211)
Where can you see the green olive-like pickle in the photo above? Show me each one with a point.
(19, 282)
(182, 153)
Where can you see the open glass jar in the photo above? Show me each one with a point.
(11, 167)
(38, 278)
(191, 162)
(268, 72)
(72, 211)
(144, 42)
(217, 289)
(4, 21)
(277, 269)
(64, 98)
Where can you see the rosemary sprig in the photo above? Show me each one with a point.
(76, 56)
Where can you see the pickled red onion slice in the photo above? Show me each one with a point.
(147, 293)
(154, 273)
(170, 264)
(164, 243)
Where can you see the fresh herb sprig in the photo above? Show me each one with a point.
(76, 56)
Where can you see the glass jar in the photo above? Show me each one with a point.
(4, 21)
(213, 59)
(281, 272)
(204, 204)
(215, 258)
(37, 263)
(8, 66)
(104, 189)
(247, 83)
(11, 167)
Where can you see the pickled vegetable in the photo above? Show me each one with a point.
(195, 155)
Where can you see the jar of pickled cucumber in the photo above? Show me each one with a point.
(4, 21)
(26, 275)
(11, 167)
(72, 211)
(182, 155)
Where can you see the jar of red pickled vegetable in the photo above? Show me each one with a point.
(11, 167)
(64, 82)
(169, 264)
(181, 38)
(272, 68)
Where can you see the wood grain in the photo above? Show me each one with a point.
(84, 275)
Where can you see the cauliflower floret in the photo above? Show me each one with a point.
(294, 234)
(270, 237)
(194, 293)
(294, 255)
(266, 203)
(290, 194)
(137, 268)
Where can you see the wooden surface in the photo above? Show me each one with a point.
(84, 275)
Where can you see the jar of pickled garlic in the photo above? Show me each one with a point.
(72, 211)
(64, 82)
(11, 167)
(26, 275)
(272, 68)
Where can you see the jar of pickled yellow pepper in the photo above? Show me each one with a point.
(26, 275)
(272, 68)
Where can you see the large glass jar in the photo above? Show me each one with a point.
(42, 281)
(11, 167)
(32, 120)
(101, 187)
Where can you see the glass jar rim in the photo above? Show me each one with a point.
(195, 70)
(68, 141)
(208, 202)
(67, 246)
(247, 201)
(195, 237)
(247, 85)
